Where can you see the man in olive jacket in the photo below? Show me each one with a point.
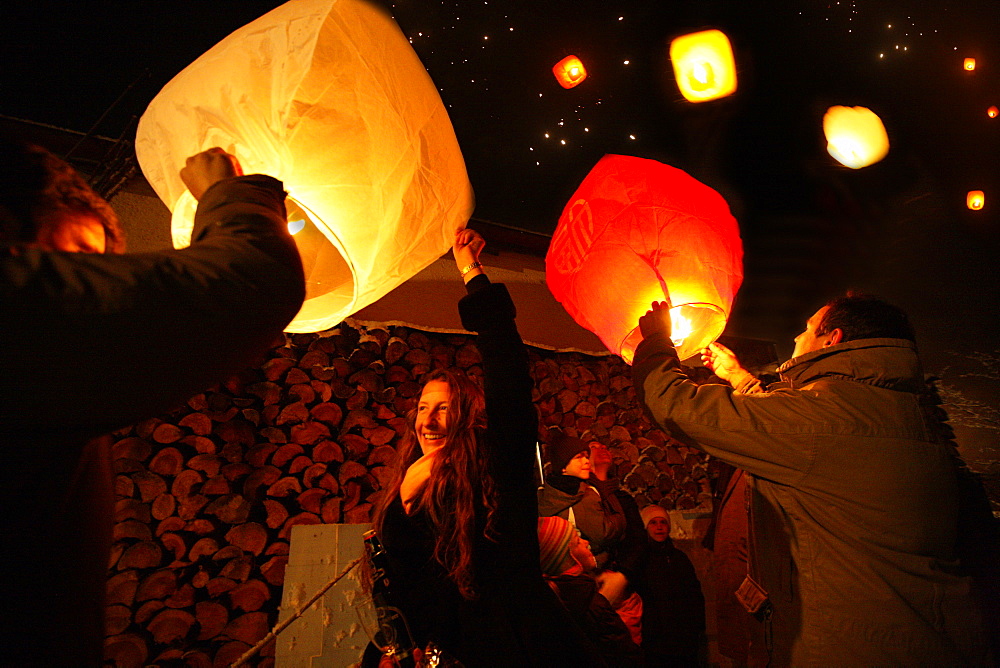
(853, 513)
(93, 341)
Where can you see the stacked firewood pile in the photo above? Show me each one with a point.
(207, 495)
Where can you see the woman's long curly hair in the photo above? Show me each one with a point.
(459, 497)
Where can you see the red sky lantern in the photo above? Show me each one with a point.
(975, 200)
(993, 112)
(570, 72)
(637, 231)
(969, 64)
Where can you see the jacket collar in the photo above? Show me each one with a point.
(889, 363)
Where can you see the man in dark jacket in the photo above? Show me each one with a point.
(94, 341)
(853, 513)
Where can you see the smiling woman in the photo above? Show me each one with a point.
(458, 521)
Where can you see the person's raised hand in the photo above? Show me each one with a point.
(205, 169)
(468, 245)
(722, 362)
(656, 320)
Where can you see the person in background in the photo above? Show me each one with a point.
(458, 521)
(673, 618)
(625, 554)
(95, 340)
(568, 566)
(586, 502)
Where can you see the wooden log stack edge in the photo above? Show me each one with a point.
(208, 494)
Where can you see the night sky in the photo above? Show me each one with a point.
(811, 228)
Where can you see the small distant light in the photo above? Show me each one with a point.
(586, 129)
(626, 62)
(881, 55)
(486, 36)
(631, 136)
(546, 135)
(621, 18)
(562, 141)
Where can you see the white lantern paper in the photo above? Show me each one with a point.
(329, 97)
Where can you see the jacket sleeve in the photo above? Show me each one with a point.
(769, 434)
(511, 417)
(105, 340)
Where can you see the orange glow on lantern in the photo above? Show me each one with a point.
(569, 72)
(855, 136)
(975, 200)
(376, 182)
(638, 231)
(704, 67)
(970, 64)
(993, 112)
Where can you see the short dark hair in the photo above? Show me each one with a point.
(862, 316)
(34, 184)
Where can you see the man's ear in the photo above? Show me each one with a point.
(834, 337)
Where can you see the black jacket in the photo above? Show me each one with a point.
(516, 619)
(95, 342)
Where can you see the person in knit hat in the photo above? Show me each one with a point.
(673, 614)
(566, 563)
(571, 493)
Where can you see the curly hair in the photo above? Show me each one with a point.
(36, 186)
(459, 498)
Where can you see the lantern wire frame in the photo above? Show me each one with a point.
(692, 327)
(329, 277)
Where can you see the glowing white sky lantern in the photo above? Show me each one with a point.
(855, 136)
(329, 97)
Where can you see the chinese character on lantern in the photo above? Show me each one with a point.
(569, 72)
(330, 98)
(704, 68)
(638, 231)
(855, 136)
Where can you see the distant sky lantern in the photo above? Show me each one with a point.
(637, 231)
(855, 136)
(975, 200)
(970, 64)
(704, 67)
(993, 112)
(329, 97)
(570, 72)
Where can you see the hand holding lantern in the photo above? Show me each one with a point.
(656, 320)
(721, 361)
(203, 170)
(468, 245)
